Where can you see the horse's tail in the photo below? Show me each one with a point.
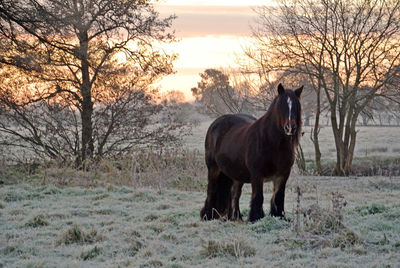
(218, 197)
(223, 194)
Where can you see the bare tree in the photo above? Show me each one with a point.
(87, 66)
(174, 97)
(219, 96)
(349, 49)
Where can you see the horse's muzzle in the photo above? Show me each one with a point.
(290, 129)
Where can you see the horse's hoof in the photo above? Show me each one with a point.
(281, 216)
(204, 216)
(286, 219)
(235, 216)
(236, 219)
(255, 216)
(207, 214)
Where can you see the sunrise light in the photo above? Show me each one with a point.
(212, 35)
(214, 2)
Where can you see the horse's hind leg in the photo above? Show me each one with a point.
(234, 210)
(218, 195)
(223, 195)
(207, 211)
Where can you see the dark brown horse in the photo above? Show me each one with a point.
(240, 149)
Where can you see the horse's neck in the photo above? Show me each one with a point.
(272, 134)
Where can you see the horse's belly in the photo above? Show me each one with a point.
(233, 169)
(272, 178)
(237, 174)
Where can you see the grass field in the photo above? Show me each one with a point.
(143, 211)
(50, 226)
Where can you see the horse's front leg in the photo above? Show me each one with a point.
(278, 198)
(257, 199)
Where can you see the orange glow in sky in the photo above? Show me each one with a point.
(215, 2)
(212, 34)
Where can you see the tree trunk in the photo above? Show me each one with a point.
(87, 129)
(340, 150)
(350, 151)
(345, 149)
(87, 103)
(307, 120)
(315, 134)
(340, 161)
(352, 143)
(300, 160)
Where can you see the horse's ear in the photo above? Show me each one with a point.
(298, 91)
(280, 89)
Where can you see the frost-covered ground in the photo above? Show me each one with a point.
(50, 226)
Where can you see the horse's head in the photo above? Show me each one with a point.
(289, 109)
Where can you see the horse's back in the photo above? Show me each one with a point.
(220, 128)
(225, 122)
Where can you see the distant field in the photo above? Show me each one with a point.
(48, 226)
(371, 141)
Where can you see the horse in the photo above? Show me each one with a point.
(241, 149)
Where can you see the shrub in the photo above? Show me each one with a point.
(319, 221)
(325, 228)
(176, 168)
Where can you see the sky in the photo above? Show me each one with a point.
(211, 34)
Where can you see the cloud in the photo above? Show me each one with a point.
(195, 21)
(214, 2)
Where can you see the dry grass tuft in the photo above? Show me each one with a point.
(90, 253)
(371, 209)
(320, 221)
(75, 235)
(100, 196)
(134, 243)
(152, 263)
(269, 224)
(37, 221)
(151, 217)
(237, 248)
(133, 248)
(322, 228)
(346, 239)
